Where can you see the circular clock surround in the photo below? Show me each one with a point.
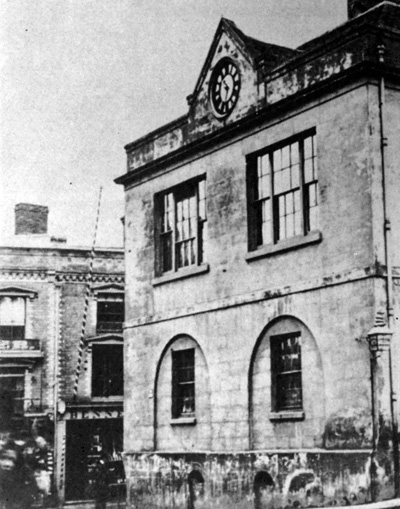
(224, 87)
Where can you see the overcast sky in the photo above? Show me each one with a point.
(82, 78)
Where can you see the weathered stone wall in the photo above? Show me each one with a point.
(230, 480)
(346, 168)
(336, 392)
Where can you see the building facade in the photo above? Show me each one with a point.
(46, 290)
(262, 247)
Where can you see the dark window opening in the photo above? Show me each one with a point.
(263, 488)
(283, 192)
(286, 372)
(11, 401)
(183, 383)
(110, 313)
(196, 488)
(107, 370)
(181, 227)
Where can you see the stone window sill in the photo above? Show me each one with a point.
(181, 274)
(287, 415)
(285, 245)
(183, 421)
(107, 399)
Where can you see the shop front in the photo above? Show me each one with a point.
(93, 436)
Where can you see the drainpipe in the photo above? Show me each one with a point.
(389, 270)
(55, 393)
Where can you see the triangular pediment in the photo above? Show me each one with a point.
(105, 339)
(109, 288)
(17, 291)
(230, 85)
(228, 40)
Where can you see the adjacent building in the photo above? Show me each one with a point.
(53, 311)
(262, 255)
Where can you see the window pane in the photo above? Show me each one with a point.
(279, 186)
(290, 391)
(266, 223)
(166, 252)
(310, 164)
(294, 149)
(168, 213)
(286, 367)
(264, 165)
(277, 157)
(183, 383)
(202, 232)
(202, 199)
(289, 225)
(308, 170)
(295, 175)
(308, 152)
(264, 187)
(12, 311)
(285, 156)
(315, 157)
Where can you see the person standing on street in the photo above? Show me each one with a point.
(101, 479)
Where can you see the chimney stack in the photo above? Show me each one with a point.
(357, 7)
(30, 219)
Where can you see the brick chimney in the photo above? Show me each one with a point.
(30, 219)
(357, 7)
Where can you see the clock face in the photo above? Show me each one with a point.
(224, 87)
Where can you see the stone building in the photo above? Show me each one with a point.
(262, 247)
(44, 286)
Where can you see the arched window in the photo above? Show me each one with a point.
(182, 408)
(286, 384)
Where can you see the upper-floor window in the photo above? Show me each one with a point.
(286, 372)
(110, 312)
(107, 370)
(12, 318)
(183, 383)
(180, 227)
(283, 191)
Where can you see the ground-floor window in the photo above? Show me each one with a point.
(11, 399)
(87, 442)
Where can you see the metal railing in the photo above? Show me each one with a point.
(20, 344)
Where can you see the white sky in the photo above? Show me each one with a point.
(82, 78)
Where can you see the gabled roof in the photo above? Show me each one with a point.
(254, 50)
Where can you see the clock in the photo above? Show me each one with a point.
(224, 87)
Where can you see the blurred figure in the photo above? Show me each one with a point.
(101, 480)
(38, 457)
(16, 480)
